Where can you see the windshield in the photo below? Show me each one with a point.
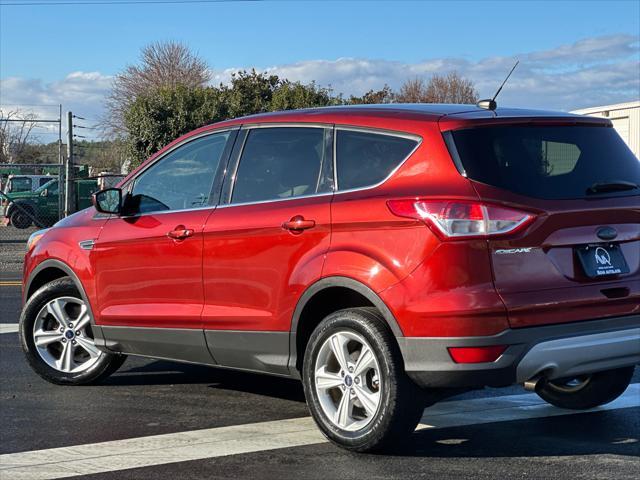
(19, 184)
(549, 162)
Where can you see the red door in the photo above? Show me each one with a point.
(256, 267)
(268, 243)
(146, 278)
(149, 261)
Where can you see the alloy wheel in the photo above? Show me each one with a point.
(347, 380)
(63, 337)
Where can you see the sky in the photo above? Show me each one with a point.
(572, 54)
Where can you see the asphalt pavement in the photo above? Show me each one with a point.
(157, 419)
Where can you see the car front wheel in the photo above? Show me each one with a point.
(355, 384)
(57, 339)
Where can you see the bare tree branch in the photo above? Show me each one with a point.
(450, 88)
(162, 64)
(15, 132)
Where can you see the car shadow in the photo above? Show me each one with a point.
(172, 373)
(612, 432)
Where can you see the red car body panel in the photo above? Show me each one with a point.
(167, 291)
(242, 271)
(254, 269)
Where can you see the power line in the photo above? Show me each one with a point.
(116, 2)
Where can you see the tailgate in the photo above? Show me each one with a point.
(580, 258)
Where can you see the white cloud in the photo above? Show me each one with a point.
(591, 71)
(80, 92)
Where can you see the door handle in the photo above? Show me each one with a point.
(298, 223)
(180, 233)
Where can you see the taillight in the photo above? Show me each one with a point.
(461, 218)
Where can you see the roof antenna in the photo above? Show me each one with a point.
(490, 103)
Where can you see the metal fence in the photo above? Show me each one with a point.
(30, 199)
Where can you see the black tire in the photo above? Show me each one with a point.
(401, 402)
(105, 365)
(21, 217)
(588, 391)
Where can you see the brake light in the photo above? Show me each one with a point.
(462, 219)
(476, 354)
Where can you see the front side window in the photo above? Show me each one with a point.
(364, 159)
(181, 180)
(279, 163)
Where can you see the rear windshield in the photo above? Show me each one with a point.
(550, 162)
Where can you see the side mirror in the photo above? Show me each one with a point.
(108, 201)
(44, 192)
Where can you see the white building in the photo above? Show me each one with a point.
(625, 118)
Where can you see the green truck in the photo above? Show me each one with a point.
(40, 207)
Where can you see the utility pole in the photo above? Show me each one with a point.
(60, 166)
(69, 194)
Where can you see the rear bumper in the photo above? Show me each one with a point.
(554, 351)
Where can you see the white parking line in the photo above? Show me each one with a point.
(216, 442)
(8, 327)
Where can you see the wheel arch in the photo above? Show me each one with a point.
(52, 269)
(346, 292)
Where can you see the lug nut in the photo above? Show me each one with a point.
(64, 340)
(62, 329)
(353, 392)
(350, 369)
(342, 373)
(70, 325)
(73, 342)
(77, 332)
(357, 380)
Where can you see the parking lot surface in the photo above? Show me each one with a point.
(157, 419)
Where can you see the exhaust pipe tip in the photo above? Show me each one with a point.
(533, 383)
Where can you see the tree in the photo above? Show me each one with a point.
(162, 65)
(15, 133)
(412, 91)
(385, 95)
(158, 117)
(450, 88)
(293, 95)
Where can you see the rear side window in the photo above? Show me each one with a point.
(279, 163)
(364, 159)
(559, 162)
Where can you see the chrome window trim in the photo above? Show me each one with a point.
(164, 212)
(301, 197)
(390, 133)
(248, 126)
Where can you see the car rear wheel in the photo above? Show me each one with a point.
(355, 384)
(586, 391)
(57, 338)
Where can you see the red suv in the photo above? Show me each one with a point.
(388, 256)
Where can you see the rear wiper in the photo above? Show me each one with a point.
(615, 186)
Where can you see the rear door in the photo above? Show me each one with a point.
(266, 243)
(580, 259)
